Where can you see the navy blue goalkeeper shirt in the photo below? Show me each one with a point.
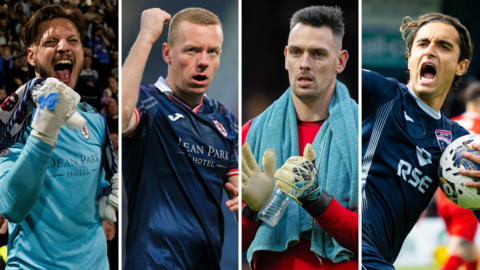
(175, 166)
(402, 141)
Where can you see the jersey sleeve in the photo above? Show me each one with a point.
(102, 183)
(376, 90)
(141, 113)
(232, 167)
(22, 174)
(341, 224)
(245, 130)
(249, 230)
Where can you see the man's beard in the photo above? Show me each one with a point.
(41, 70)
(311, 95)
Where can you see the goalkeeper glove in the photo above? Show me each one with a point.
(298, 179)
(108, 206)
(257, 186)
(56, 105)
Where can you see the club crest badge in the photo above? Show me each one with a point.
(85, 132)
(10, 102)
(444, 138)
(220, 128)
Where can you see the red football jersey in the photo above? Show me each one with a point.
(469, 121)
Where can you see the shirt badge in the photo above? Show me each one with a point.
(444, 138)
(85, 132)
(220, 128)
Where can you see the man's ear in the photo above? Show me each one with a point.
(166, 53)
(462, 67)
(285, 53)
(31, 56)
(342, 61)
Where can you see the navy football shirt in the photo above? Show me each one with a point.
(175, 165)
(402, 141)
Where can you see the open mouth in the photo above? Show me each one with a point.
(304, 79)
(200, 78)
(63, 70)
(428, 72)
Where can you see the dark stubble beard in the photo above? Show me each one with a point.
(306, 96)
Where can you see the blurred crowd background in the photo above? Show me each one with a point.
(383, 51)
(98, 81)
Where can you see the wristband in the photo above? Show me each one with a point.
(318, 206)
(250, 214)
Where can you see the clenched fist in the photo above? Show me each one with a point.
(152, 24)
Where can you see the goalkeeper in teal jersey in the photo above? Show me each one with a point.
(53, 165)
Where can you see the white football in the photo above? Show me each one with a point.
(451, 181)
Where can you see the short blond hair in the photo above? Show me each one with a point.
(198, 16)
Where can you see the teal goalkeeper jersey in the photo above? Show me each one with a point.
(63, 229)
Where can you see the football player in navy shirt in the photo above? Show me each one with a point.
(404, 134)
(180, 146)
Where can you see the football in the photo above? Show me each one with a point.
(451, 181)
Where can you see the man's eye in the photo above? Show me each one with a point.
(215, 52)
(295, 52)
(318, 54)
(190, 50)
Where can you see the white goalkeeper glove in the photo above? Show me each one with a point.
(108, 206)
(56, 105)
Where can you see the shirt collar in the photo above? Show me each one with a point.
(163, 87)
(425, 107)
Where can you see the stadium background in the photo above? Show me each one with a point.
(97, 83)
(265, 29)
(224, 87)
(383, 52)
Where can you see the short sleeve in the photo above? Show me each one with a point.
(232, 167)
(141, 113)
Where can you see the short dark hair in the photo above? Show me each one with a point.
(410, 27)
(321, 16)
(33, 33)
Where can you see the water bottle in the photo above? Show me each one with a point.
(274, 207)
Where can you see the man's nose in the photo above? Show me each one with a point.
(203, 60)
(431, 50)
(305, 62)
(63, 46)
